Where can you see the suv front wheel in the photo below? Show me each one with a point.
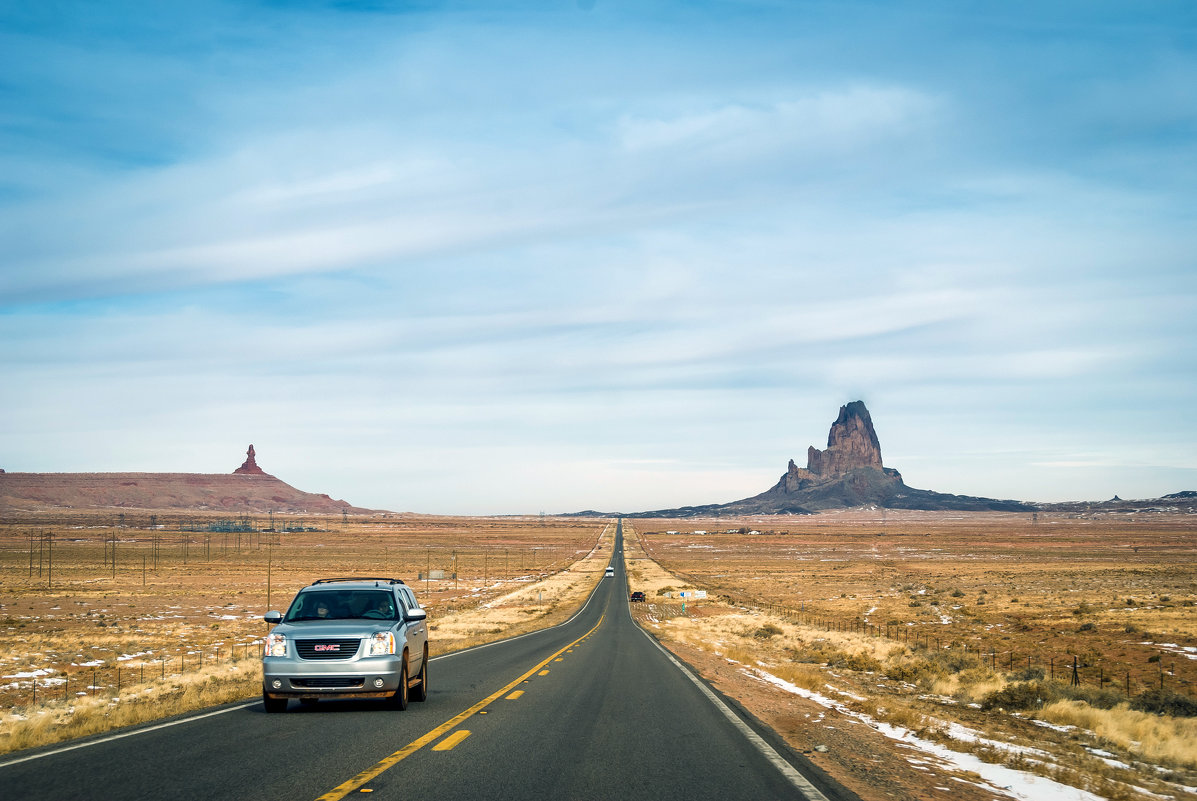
(420, 693)
(399, 699)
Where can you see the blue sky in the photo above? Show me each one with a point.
(511, 258)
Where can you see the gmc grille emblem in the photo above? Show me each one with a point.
(328, 648)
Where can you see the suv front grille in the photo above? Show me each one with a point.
(332, 682)
(326, 649)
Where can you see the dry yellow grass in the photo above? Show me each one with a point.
(58, 720)
(1159, 739)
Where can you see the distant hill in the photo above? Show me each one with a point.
(248, 489)
(1176, 502)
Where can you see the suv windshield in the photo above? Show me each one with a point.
(342, 604)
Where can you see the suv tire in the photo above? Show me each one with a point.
(420, 693)
(399, 699)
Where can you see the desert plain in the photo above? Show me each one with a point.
(1062, 646)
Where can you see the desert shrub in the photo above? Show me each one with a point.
(858, 661)
(957, 593)
(664, 591)
(766, 632)
(975, 675)
(915, 671)
(1094, 697)
(1028, 674)
(1082, 609)
(1165, 702)
(816, 653)
(957, 661)
(1088, 627)
(1021, 696)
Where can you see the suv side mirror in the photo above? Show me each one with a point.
(274, 617)
(412, 615)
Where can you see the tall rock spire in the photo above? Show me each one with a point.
(250, 465)
(851, 443)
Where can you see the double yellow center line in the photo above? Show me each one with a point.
(368, 775)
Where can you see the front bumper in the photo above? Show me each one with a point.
(364, 677)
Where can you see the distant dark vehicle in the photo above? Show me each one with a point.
(637, 596)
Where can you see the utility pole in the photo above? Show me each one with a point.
(269, 560)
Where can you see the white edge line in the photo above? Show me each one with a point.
(157, 726)
(800, 782)
(122, 735)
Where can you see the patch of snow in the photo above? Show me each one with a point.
(1053, 726)
(30, 674)
(999, 778)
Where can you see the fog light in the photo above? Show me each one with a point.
(378, 683)
(276, 684)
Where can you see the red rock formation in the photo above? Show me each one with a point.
(250, 466)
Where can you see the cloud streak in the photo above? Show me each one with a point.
(624, 257)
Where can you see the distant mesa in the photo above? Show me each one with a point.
(246, 489)
(250, 466)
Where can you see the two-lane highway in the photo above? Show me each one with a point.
(591, 709)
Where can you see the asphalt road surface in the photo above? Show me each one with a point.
(591, 709)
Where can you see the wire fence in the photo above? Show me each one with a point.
(108, 680)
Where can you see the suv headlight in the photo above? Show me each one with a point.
(382, 643)
(275, 645)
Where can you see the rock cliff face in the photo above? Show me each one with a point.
(851, 444)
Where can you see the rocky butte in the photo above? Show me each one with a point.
(848, 473)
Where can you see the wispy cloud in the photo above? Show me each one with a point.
(636, 257)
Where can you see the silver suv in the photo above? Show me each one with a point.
(347, 638)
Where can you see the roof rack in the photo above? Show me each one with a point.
(356, 578)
